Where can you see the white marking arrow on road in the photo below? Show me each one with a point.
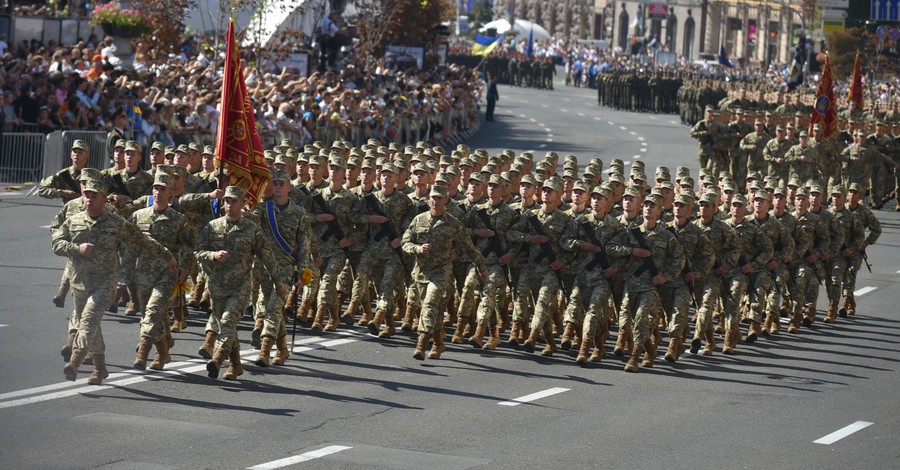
(842, 433)
(533, 396)
(864, 290)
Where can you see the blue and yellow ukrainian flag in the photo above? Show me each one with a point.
(485, 44)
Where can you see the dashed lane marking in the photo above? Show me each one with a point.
(581, 114)
(842, 433)
(643, 144)
(1, 326)
(564, 110)
(623, 128)
(643, 149)
(637, 157)
(549, 140)
(306, 457)
(864, 290)
(597, 118)
(672, 122)
(633, 133)
(45, 226)
(533, 120)
(641, 139)
(611, 123)
(533, 396)
(545, 106)
(521, 115)
(547, 129)
(542, 146)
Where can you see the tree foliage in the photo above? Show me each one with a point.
(383, 22)
(842, 48)
(166, 19)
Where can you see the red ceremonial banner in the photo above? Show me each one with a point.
(238, 146)
(825, 109)
(856, 88)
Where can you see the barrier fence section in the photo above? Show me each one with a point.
(22, 157)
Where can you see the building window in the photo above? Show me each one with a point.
(687, 49)
(751, 38)
(671, 32)
(623, 30)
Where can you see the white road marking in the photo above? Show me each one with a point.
(547, 129)
(633, 133)
(44, 226)
(549, 140)
(864, 290)
(672, 122)
(623, 128)
(652, 117)
(643, 149)
(564, 110)
(175, 368)
(637, 157)
(567, 99)
(581, 114)
(898, 272)
(596, 118)
(550, 135)
(641, 139)
(643, 144)
(533, 120)
(545, 106)
(533, 396)
(1, 326)
(542, 146)
(541, 124)
(611, 123)
(842, 433)
(521, 115)
(312, 455)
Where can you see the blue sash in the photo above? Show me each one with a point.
(214, 204)
(270, 211)
(150, 201)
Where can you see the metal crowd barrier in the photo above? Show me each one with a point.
(22, 157)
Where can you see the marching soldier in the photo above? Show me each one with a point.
(847, 238)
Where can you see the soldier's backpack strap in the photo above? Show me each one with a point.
(67, 179)
(273, 224)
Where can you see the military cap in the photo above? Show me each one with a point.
(181, 149)
(540, 178)
(120, 144)
(166, 169)
(708, 197)
(817, 127)
(380, 161)
(280, 159)
(665, 185)
(517, 168)
(467, 162)
(781, 190)
(317, 160)
(354, 161)
(860, 132)
(764, 195)
(710, 107)
(132, 146)
(596, 161)
(157, 145)
(682, 171)
(779, 127)
(838, 188)
(545, 166)
(400, 164)
(617, 162)
(440, 191)
(729, 187)
(686, 181)
(801, 192)
(795, 182)
(615, 169)
(704, 172)
(551, 155)
(754, 175)
(195, 147)
(367, 163)
(803, 134)
(654, 199)
(638, 164)
(337, 160)
(758, 122)
(816, 188)
(432, 165)
(570, 174)
(528, 179)
(601, 190)
(581, 185)
(280, 175)
(638, 176)
(209, 150)
(303, 157)
(446, 161)
(771, 182)
(790, 125)
(442, 177)
(478, 177)
(489, 169)
(739, 199)
(570, 158)
(163, 179)
(768, 113)
(855, 188)
(634, 191)
(616, 178)
(452, 170)
(684, 198)
(553, 183)
(755, 185)
(421, 144)
(388, 167)
(526, 156)
(462, 148)
(496, 180)
(95, 185)
(590, 171)
(291, 154)
(710, 180)
(90, 174)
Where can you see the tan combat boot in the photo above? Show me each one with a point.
(550, 348)
(438, 347)
(583, 351)
(265, 349)
(215, 364)
(350, 313)
(375, 323)
(162, 356)
(281, 353)
(730, 342)
(122, 297)
(622, 341)
(204, 301)
(66, 350)
(775, 326)
(809, 316)
(532, 339)
(169, 338)
(851, 306)
(318, 323)
(303, 312)
(565, 342)
(257, 331)
(672, 353)
(832, 310)
(599, 344)
(419, 355)
(367, 315)
(494, 339)
(100, 371)
(477, 339)
(71, 369)
(206, 350)
(697, 342)
(60, 298)
(333, 321)
(143, 350)
(235, 369)
(176, 320)
(632, 364)
(196, 293)
(710, 343)
(389, 329)
(650, 352)
(514, 332)
(134, 307)
(767, 324)
(458, 335)
(796, 319)
(408, 318)
(753, 331)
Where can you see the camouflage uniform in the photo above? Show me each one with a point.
(847, 232)
(802, 272)
(334, 258)
(675, 294)
(869, 222)
(729, 286)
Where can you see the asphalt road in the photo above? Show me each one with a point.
(347, 400)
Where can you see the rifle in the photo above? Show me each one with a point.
(600, 256)
(865, 258)
(648, 264)
(334, 228)
(295, 280)
(388, 229)
(493, 243)
(547, 252)
(687, 269)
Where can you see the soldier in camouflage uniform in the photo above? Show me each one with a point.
(869, 222)
(655, 257)
(706, 132)
(753, 145)
(91, 240)
(432, 237)
(782, 247)
(802, 268)
(153, 281)
(774, 153)
(803, 160)
(781, 287)
(490, 224)
(847, 239)
(228, 246)
(287, 228)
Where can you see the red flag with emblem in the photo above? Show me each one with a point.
(825, 108)
(856, 88)
(238, 146)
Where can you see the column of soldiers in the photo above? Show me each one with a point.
(520, 70)
(641, 91)
(462, 247)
